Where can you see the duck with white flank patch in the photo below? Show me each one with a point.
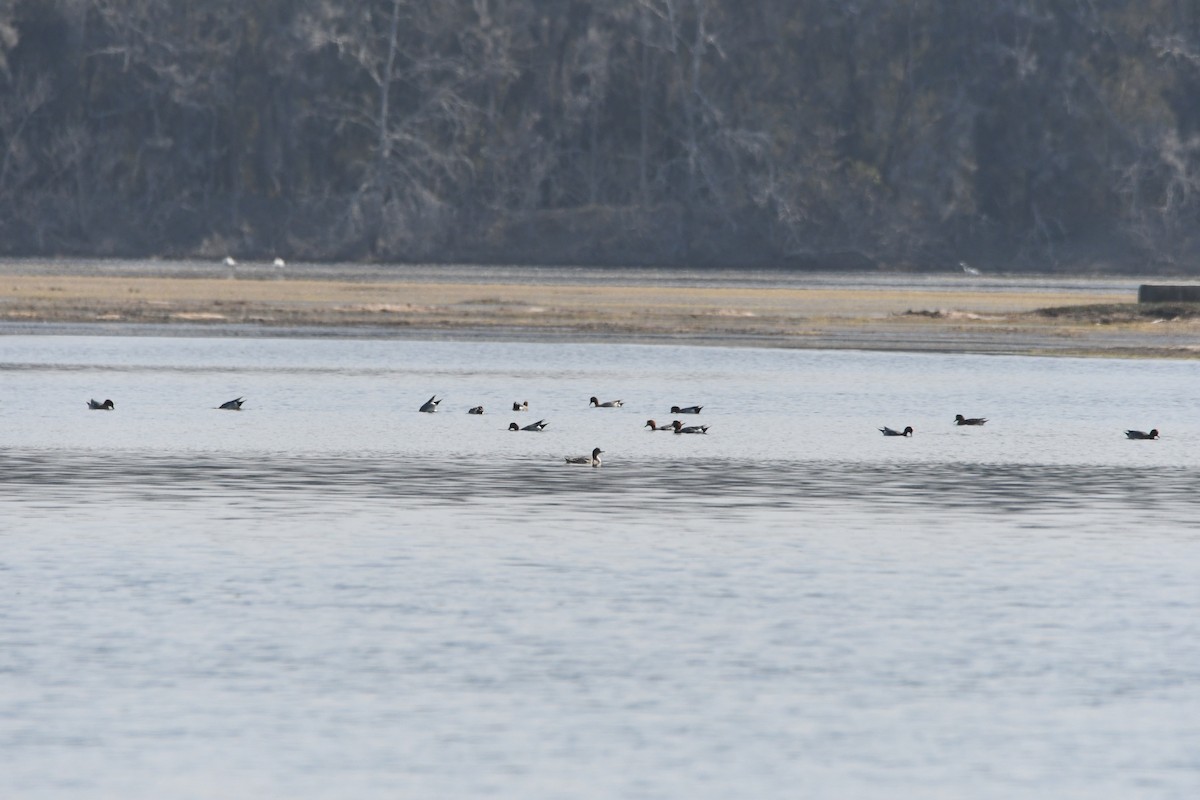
(540, 425)
(522, 406)
(654, 426)
(107, 405)
(886, 431)
(430, 405)
(681, 428)
(590, 461)
(1153, 434)
(610, 404)
(959, 419)
(686, 409)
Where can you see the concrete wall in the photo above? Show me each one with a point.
(1168, 293)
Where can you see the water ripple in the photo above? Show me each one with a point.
(626, 487)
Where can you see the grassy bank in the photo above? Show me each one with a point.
(968, 321)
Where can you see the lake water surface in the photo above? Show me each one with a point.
(330, 595)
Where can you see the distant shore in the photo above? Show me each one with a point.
(897, 313)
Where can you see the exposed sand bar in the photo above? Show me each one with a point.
(947, 317)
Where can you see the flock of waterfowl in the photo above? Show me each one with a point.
(430, 406)
(959, 419)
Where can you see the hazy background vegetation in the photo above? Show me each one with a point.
(1013, 134)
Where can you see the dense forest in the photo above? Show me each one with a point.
(898, 134)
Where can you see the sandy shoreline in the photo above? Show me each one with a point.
(991, 318)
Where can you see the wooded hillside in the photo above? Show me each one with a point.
(1013, 134)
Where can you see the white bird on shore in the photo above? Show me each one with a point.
(967, 268)
(230, 261)
(279, 262)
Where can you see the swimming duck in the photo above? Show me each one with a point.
(886, 431)
(592, 460)
(537, 426)
(107, 405)
(232, 405)
(1153, 434)
(654, 426)
(680, 428)
(609, 404)
(475, 410)
(430, 405)
(959, 419)
(686, 409)
(523, 406)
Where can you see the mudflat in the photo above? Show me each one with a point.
(917, 313)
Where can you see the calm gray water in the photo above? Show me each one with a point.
(330, 595)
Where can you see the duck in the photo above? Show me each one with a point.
(522, 406)
(1153, 434)
(654, 426)
(681, 428)
(107, 405)
(540, 425)
(475, 410)
(959, 419)
(686, 409)
(886, 431)
(609, 404)
(232, 405)
(430, 405)
(593, 460)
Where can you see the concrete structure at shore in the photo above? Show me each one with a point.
(1168, 293)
